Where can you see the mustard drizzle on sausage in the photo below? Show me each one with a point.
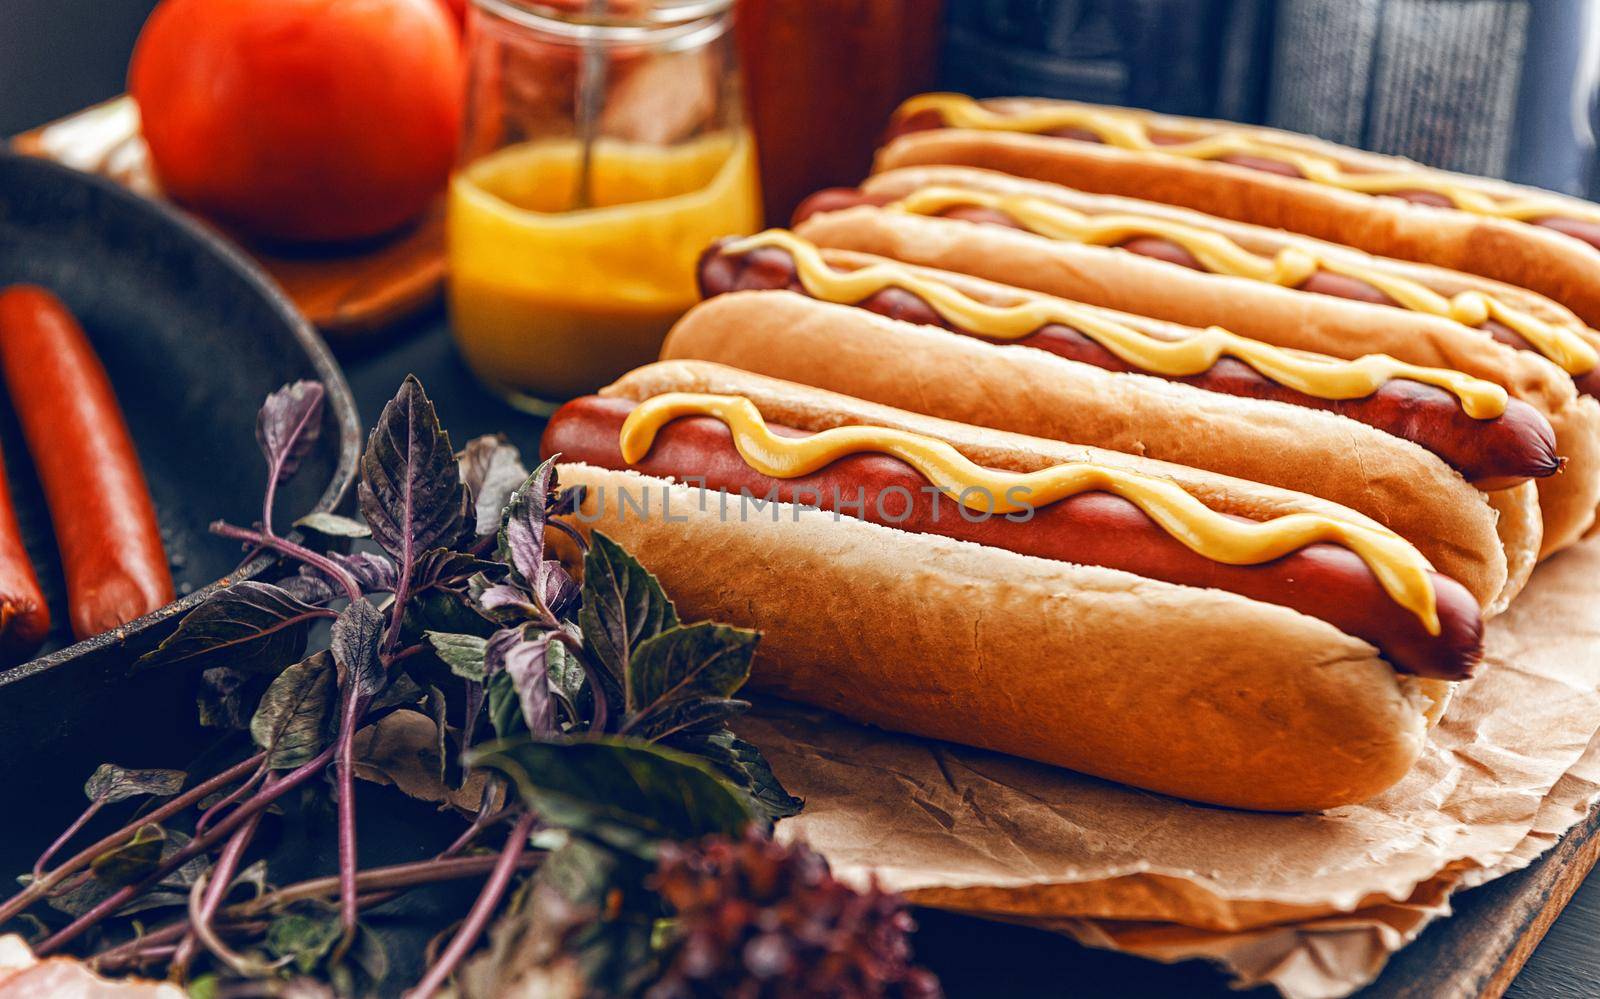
(1125, 130)
(1290, 267)
(1399, 567)
(1313, 374)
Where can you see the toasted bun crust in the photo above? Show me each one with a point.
(1521, 529)
(927, 370)
(1192, 692)
(1340, 327)
(1257, 239)
(1517, 253)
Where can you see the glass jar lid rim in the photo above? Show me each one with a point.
(654, 14)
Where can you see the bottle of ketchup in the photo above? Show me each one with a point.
(822, 77)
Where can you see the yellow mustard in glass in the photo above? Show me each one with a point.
(605, 149)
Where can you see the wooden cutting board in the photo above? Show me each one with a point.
(347, 292)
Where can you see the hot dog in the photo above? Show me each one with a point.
(1033, 621)
(24, 616)
(105, 523)
(1514, 316)
(1495, 453)
(925, 369)
(1259, 310)
(1382, 204)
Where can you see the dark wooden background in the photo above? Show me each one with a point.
(60, 55)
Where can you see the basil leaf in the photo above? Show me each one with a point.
(672, 672)
(623, 605)
(309, 586)
(491, 469)
(629, 794)
(464, 654)
(257, 626)
(334, 525)
(306, 940)
(567, 675)
(288, 424)
(525, 664)
(443, 567)
(745, 764)
(410, 491)
(223, 698)
(522, 529)
(132, 861)
(374, 573)
(297, 716)
(356, 637)
(505, 709)
(110, 783)
(582, 926)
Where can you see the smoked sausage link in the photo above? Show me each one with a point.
(24, 617)
(1321, 282)
(105, 523)
(1492, 454)
(1325, 581)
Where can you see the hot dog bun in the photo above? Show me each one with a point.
(930, 371)
(896, 184)
(1097, 670)
(1339, 327)
(1530, 256)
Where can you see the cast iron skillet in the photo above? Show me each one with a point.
(193, 336)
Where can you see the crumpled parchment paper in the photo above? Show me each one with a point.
(1313, 904)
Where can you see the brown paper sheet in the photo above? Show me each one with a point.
(1313, 904)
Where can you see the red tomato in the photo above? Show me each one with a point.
(301, 120)
(458, 11)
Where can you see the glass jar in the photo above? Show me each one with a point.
(605, 146)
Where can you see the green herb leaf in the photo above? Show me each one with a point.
(444, 610)
(256, 626)
(356, 636)
(401, 691)
(491, 469)
(334, 526)
(567, 676)
(306, 939)
(581, 926)
(410, 492)
(297, 716)
(134, 860)
(745, 764)
(439, 711)
(207, 986)
(111, 783)
(623, 605)
(684, 676)
(629, 794)
(505, 707)
(462, 653)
